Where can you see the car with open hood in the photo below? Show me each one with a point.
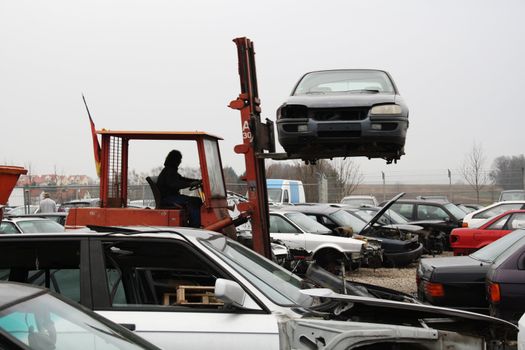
(299, 231)
(399, 248)
(439, 216)
(346, 112)
(185, 288)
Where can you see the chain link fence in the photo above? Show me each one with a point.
(325, 190)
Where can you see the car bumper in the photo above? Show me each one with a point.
(403, 258)
(382, 132)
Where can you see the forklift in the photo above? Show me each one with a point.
(258, 138)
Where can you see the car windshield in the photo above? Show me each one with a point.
(389, 217)
(278, 284)
(344, 81)
(343, 218)
(455, 211)
(40, 226)
(307, 224)
(274, 195)
(492, 251)
(45, 322)
(357, 202)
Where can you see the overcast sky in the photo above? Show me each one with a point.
(172, 65)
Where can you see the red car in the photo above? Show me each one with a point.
(464, 241)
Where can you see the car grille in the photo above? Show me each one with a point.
(339, 133)
(326, 114)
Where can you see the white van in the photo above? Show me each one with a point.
(282, 191)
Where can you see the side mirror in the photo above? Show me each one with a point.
(230, 292)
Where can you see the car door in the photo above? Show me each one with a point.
(488, 234)
(163, 290)
(57, 264)
(282, 229)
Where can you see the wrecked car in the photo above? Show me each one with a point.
(341, 113)
(459, 281)
(185, 288)
(398, 249)
(428, 231)
(298, 231)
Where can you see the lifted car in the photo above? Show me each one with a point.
(341, 113)
(187, 288)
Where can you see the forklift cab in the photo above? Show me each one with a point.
(113, 209)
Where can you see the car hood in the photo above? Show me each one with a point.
(381, 212)
(394, 313)
(426, 222)
(341, 100)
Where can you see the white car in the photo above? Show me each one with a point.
(480, 216)
(298, 231)
(356, 201)
(183, 288)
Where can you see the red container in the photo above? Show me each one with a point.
(8, 177)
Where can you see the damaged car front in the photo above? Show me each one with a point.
(353, 322)
(340, 113)
(322, 319)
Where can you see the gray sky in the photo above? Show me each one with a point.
(168, 65)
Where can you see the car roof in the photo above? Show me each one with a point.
(127, 231)
(416, 201)
(312, 208)
(25, 218)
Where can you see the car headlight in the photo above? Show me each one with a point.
(386, 109)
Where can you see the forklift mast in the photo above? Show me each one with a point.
(257, 138)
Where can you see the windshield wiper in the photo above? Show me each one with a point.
(375, 91)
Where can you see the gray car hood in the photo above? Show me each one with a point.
(419, 315)
(342, 100)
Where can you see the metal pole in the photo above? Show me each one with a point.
(384, 189)
(450, 185)
(523, 177)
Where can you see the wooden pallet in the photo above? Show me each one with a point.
(192, 295)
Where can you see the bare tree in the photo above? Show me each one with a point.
(473, 169)
(348, 173)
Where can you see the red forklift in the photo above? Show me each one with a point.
(258, 140)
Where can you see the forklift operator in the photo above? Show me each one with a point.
(170, 182)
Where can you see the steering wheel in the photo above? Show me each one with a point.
(195, 185)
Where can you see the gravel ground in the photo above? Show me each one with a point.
(400, 279)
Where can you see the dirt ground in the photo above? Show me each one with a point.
(400, 279)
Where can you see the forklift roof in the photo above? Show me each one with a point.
(158, 135)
